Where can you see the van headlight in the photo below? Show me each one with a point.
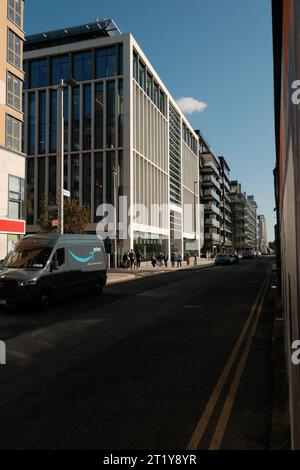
(30, 282)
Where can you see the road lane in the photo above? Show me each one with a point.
(130, 371)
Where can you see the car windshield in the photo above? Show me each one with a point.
(29, 254)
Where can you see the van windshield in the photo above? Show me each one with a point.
(29, 254)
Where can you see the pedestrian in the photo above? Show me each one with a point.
(125, 260)
(138, 258)
(179, 260)
(173, 260)
(166, 260)
(187, 257)
(131, 258)
(153, 260)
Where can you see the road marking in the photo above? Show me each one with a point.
(220, 429)
(209, 409)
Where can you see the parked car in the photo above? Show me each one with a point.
(248, 255)
(234, 258)
(222, 259)
(45, 267)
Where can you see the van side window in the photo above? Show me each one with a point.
(60, 256)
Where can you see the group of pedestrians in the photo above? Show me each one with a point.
(161, 260)
(132, 259)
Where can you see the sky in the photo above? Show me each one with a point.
(218, 53)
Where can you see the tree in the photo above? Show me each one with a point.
(76, 217)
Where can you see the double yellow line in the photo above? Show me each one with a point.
(220, 428)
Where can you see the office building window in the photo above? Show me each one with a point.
(120, 59)
(53, 121)
(30, 190)
(14, 91)
(156, 94)
(142, 74)
(98, 188)
(14, 49)
(75, 176)
(60, 69)
(38, 73)
(110, 167)
(22, 127)
(149, 87)
(66, 119)
(135, 66)
(87, 115)
(15, 12)
(106, 62)
(110, 115)
(15, 197)
(41, 184)
(99, 104)
(42, 122)
(75, 117)
(13, 133)
(86, 180)
(31, 123)
(82, 66)
(120, 173)
(52, 180)
(162, 102)
(120, 113)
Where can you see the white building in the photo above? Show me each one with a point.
(119, 116)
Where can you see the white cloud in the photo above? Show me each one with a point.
(189, 105)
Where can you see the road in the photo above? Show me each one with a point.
(164, 362)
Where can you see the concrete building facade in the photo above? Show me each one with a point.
(12, 160)
(226, 221)
(262, 232)
(119, 118)
(244, 218)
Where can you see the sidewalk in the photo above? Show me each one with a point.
(124, 275)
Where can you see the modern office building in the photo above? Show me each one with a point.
(225, 206)
(244, 217)
(12, 161)
(118, 118)
(262, 232)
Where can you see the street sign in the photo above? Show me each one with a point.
(66, 193)
(54, 223)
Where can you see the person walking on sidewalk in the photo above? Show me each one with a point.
(165, 258)
(173, 260)
(138, 258)
(131, 258)
(153, 260)
(179, 260)
(125, 260)
(187, 258)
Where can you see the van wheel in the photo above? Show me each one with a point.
(44, 300)
(98, 288)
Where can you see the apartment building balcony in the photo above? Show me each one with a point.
(215, 237)
(210, 165)
(208, 180)
(212, 194)
(212, 208)
(212, 222)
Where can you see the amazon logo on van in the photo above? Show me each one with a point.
(87, 259)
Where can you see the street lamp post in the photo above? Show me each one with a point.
(60, 152)
(116, 215)
(195, 218)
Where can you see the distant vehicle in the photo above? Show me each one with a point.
(222, 259)
(248, 255)
(234, 258)
(45, 267)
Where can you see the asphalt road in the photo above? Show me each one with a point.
(164, 362)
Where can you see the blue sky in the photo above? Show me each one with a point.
(216, 51)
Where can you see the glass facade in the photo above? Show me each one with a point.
(53, 122)
(38, 73)
(87, 116)
(75, 117)
(175, 156)
(30, 191)
(82, 66)
(110, 115)
(60, 68)
(106, 62)
(31, 124)
(91, 110)
(42, 122)
(99, 106)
